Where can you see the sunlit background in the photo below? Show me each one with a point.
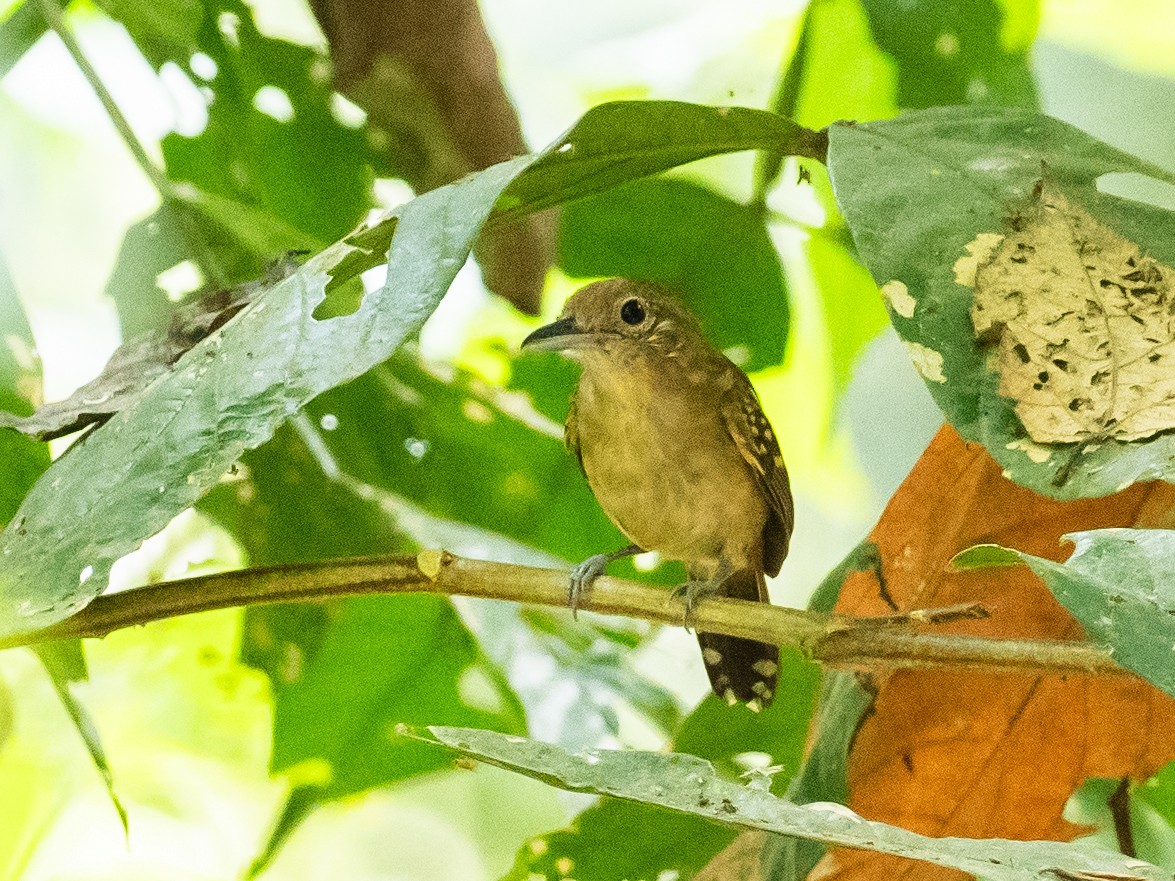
(186, 726)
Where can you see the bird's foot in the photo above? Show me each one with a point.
(582, 577)
(588, 571)
(690, 593)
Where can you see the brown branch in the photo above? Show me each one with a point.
(830, 639)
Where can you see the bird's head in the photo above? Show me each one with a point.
(620, 318)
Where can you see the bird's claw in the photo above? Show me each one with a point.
(690, 593)
(582, 576)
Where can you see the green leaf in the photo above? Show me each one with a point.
(656, 842)
(19, 33)
(689, 785)
(427, 667)
(300, 803)
(22, 459)
(283, 508)
(956, 52)
(463, 453)
(845, 75)
(172, 234)
(308, 170)
(853, 312)
(226, 395)
(713, 250)
(264, 234)
(165, 30)
(984, 557)
(1159, 793)
(784, 102)
(843, 704)
(65, 664)
(249, 187)
(1105, 806)
(1119, 584)
(624, 140)
(619, 839)
(398, 659)
(917, 192)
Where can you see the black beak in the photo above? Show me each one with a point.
(548, 336)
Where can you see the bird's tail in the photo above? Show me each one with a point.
(741, 670)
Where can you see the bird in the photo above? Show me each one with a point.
(678, 452)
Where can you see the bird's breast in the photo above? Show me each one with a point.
(664, 468)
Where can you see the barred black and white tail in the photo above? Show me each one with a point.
(741, 670)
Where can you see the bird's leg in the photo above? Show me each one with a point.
(690, 592)
(589, 570)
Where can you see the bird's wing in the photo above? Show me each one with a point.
(571, 434)
(756, 442)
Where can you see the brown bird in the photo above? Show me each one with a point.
(675, 446)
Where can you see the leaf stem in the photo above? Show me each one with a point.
(833, 640)
(56, 22)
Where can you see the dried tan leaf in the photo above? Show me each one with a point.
(1085, 323)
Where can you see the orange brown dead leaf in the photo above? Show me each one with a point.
(987, 755)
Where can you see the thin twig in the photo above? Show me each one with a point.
(833, 640)
(56, 22)
(204, 255)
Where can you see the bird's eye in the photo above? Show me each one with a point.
(632, 312)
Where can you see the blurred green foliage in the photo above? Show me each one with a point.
(390, 451)
(21, 459)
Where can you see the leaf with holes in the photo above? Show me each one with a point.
(1085, 326)
(931, 197)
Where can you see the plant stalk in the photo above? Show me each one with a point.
(832, 640)
(56, 22)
